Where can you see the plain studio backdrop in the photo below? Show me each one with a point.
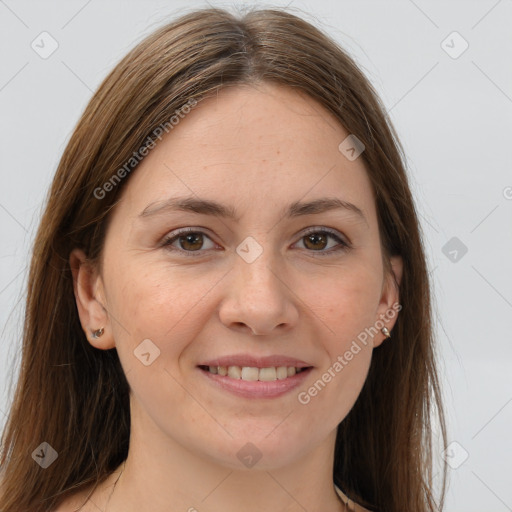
(443, 71)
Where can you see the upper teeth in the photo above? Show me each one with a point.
(252, 373)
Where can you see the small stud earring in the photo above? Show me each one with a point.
(98, 333)
(386, 333)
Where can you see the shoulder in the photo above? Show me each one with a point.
(352, 506)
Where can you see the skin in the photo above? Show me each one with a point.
(255, 149)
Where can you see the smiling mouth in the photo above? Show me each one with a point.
(250, 373)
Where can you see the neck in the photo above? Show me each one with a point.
(161, 474)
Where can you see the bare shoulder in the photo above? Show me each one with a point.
(351, 505)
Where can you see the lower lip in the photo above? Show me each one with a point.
(257, 388)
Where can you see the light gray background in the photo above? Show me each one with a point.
(454, 117)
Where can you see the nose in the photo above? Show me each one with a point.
(258, 300)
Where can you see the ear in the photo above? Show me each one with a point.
(387, 311)
(90, 300)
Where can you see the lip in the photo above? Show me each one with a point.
(256, 388)
(255, 361)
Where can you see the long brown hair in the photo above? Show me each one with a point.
(76, 398)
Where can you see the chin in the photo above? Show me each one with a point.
(265, 448)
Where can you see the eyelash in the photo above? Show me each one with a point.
(343, 245)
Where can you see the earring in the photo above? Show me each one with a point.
(385, 331)
(98, 333)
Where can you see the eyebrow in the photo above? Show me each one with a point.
(209, 207)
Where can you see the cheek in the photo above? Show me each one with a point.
(154, 300)
(344, 301)
(346, 307)
(163, 304)
(152, 318)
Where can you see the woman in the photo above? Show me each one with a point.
(228, 244)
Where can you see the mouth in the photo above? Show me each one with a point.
(252, 373)
(252, 382)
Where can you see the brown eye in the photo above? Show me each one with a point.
(188, 241)
(317, 240)
(191, 242)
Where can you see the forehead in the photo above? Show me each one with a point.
(255, 148)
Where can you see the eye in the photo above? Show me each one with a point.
(189, 240)
(316, 239)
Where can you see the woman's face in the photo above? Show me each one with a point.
(261, 274)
